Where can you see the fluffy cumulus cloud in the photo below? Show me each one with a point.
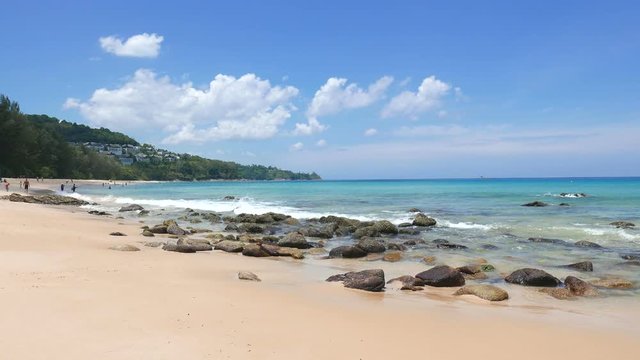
(229, 108)
(141, 45)
(412, 104)
(321, 143)
(337, 95)
(297, 146)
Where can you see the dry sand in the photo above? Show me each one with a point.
(65, 295)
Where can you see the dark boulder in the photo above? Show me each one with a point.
(441, 276)
(159, 229)
(132, 207)
(347, 252)
(631, 256)
(623, 224)
(547, 241)
(423, 220)
(580, 266)
(251, 228)
(369, 280)
(99, 213)
(385, 227)
(532, 277)
(117, 233)
(229, 197)
(369, 231)
(174, 229)
(231, 227)
(451, 246)
(536, 204)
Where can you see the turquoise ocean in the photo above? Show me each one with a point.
(470, 212)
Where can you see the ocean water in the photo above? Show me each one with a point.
(470, 212)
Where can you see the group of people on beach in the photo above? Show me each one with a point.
(23, 184)
(73, 186)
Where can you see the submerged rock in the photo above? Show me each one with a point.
(587, 244)
(392, 256)
(613, 283)
(408, 283)
(558, 293)
(631, 256)
(532, 277)
(547, 241)
(247, 275)
(579, 287)
(369, 280)
(441, 276)
(348, 252)
(451, 246)
(536, 204)
(99, 213)
(486, 292)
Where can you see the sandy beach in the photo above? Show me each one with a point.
(65, 294)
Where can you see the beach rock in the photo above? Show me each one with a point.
(410, 242)
(229, 246)
(254, 250)
(451, 246)
(472, 272)
(370, 245)
(440, 241)
(366, 231)
(564, 204)
(613, 283)
(587, 244)
(558, 293)
(124, 247)
(385, 227)
(547, 241)
(99, 213)
(231, 227)
(623, 224)
(47, 199)
(132, 207)
(396, 247)
(347, 252)
(174, 229)
(408, 283)
(144, 213)
(369, 280)
(291, 252)
(411, 232)
(187, 249)
(573, 195)
(247, 275)
(580, 266)
(441, 276)
(159, 229)
(229, 197)
(294, 240)
(324, 232)
(532, 277)
(251, 228)
(579, 287)
(415, 210)
(486, 292)
(423, 220)
(317, 251)
(392, 256)
(404, 225)
(148, 233)
(117, 233)
(154, 244)
(536, 204)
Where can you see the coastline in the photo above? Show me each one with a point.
(59, 273)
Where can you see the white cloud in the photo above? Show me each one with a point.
(229, 108)
(321, 143)
(335, 96)
(411, 104)
(141, 45)
(370, 132)
(296, 147)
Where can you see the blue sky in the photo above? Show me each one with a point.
(359, 89)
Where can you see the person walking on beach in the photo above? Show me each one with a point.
(6, 185)
(26, 185)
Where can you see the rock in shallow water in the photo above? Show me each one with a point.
(347, 252)
(486, 292)
(613, 283)
(587, 244)
(536, 204)
(423, 220)
(369, 280)
(579, 287)
(132, 207)
(532, 277)
(580, 266)
(623, 224)
(441, 276)
(294, 240)
(392, 256)
(370, 245)
(408, 283)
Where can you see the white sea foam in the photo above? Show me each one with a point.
(465, 225)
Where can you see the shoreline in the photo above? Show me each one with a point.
(158, 304)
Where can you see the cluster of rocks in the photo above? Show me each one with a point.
(47, 199)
